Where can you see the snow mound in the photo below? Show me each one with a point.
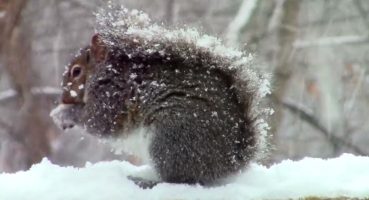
(346, 176)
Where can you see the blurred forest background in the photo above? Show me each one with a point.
(316, 50)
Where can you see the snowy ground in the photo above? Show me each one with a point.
(346, 176)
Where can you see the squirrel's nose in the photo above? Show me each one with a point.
(67, 126)
(67, 101)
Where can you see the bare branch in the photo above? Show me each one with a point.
(5, 95)
(356, 90)
(310, 119)
(240, 21)
(331, 41)
(287, 34)
(88, 5)
(170, 11)
(362, 12)
(49, 91)
(45, 91)
(276, 16)
(10, 20)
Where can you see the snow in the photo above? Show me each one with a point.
(129, 143)
(73, 93)
(346, 176)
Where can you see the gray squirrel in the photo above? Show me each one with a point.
(197, 124)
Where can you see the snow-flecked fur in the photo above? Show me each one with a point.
(198, 99)
(139, 37)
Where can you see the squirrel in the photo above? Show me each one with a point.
(195, 124)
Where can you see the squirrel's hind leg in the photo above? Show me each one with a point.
(143, 183)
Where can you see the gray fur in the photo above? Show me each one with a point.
(194, 99)
(200, 131)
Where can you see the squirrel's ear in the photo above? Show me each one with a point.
(98, 48)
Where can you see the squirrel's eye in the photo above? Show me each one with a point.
(76, 71)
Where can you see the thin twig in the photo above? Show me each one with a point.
(356, 90)
(47, 91)
(309, 118)
(331, 41)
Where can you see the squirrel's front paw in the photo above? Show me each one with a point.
(143, 183)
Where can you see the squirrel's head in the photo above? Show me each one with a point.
(75, 81)
(79, 70)
(74, 78)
